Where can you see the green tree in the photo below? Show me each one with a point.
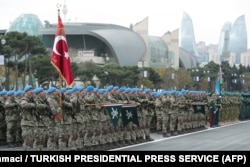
(22, 46)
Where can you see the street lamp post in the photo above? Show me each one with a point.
(242, 77)
(206, 72)
(196, 78)
(234, 81)
(172, 77)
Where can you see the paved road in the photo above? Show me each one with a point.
(234, 137)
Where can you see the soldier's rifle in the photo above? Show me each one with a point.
(99, 105)
(49, 109)
(36, 112)
(2, 110)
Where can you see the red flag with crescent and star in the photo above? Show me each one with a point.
(60, 58)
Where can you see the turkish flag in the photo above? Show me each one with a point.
(60, 58)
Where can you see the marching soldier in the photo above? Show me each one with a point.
(41, 123)
(91, 125)
(12, 118)
(76, 124)
(3, 97)
(173, 113)
(181, 111)
(28, 120)
(159, 112)
(104, 118)
(66, 123)
(19, 139)
(165, 117)
(56, 115)
(149, 112)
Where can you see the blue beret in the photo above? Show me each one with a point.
(101, 91)
(19, 92)
(51, 89)
(3, 92)
(11, 92)
(63, 89)
(122, 89)
(146, 90)
(134, 90)
(116, 88)
(89, 88)
(128, 90)
(37, 90)
(75, 88)
(154, 93)
(110, 87)
(27, 88)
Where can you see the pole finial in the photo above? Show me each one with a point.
(58, 8)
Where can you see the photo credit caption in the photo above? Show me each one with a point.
(126, 157)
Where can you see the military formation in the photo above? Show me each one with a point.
(77, 118)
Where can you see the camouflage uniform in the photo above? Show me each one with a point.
(90, 138)
(19, 139)
(67, 117)
(41, 114)
(159, 113)
(140, 129)
(121, 98)
(2, 118)
(150, 112)
(181, 112)
(173, 114)
(85, 118)
(165, 118)
(130, 135)
(28, 120)
(75, 140)
(54, 125)
(12, 118)
(104, 119)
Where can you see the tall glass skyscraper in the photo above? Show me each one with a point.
(187, 38)
(224, 38)
(233, 38)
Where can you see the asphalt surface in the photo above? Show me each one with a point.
(233, 137)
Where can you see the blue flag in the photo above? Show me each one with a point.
(217, 87)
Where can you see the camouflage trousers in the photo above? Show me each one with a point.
(39, 137)
(180, 122)
(88, 134)
(13, 132)
(148, 124)
(159, 122)
(173, 121)
(3, 131)
(165, 123)
(63, 139)
(73, 135)
(53, 134)
(28, 137)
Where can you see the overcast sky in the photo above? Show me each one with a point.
(208, 16)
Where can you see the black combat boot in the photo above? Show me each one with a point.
(148, 138)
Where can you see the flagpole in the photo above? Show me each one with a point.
(60, 77)
(60, 58)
